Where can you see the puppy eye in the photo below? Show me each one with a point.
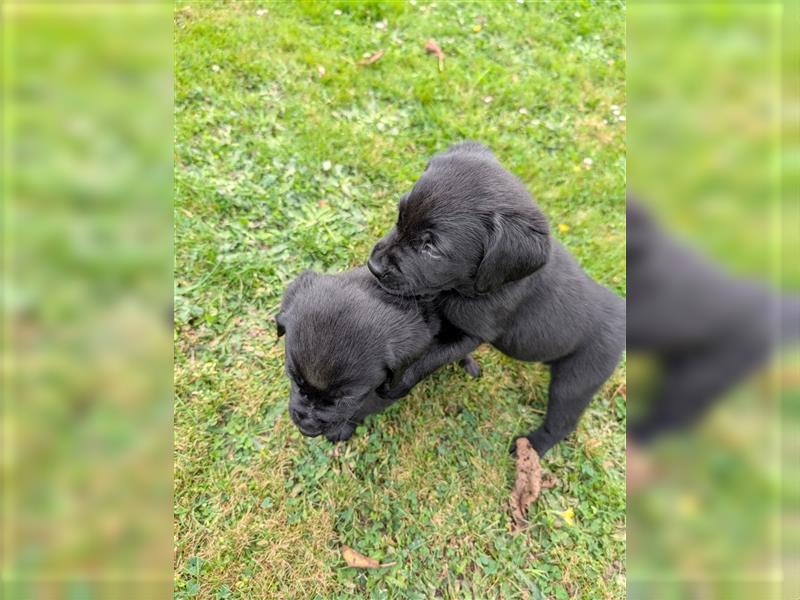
(429, 249)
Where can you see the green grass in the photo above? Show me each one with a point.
(262, 512)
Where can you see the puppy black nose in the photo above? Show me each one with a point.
(376, 267)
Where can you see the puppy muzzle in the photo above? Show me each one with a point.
(310, 426)
(306, 423)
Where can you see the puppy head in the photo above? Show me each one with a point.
(467, 225)
(337, 353)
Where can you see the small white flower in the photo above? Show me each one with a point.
(614, 107)
(215, 68)
(412, 2)
(261, 12)
(622, 117)
(380, 126)
(523, 111)
(381, 24)
(326, 165)
(520, 1)
(321, 70)
(488, 99)
(577, 14)
(587, 162)
(337, 13)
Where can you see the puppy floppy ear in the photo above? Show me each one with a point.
(296, 287)
(518, 245)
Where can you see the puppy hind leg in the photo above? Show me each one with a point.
(470, 366)
(573, 383)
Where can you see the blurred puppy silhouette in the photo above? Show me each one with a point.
(706, 329)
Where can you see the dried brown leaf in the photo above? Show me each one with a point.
(433, 48)
(372, 58)
(529, 483)
(359, 561)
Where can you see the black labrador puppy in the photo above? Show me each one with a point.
(345, 337)
(470, 238)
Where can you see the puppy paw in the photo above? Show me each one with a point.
(541, 441)
(471, 366)
(393, 393)
(344, 433)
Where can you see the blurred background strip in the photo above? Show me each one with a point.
(713, 223)
(87, 301)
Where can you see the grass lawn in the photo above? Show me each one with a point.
(290, 155)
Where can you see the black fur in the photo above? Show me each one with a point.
(346, 337)
(470, 236)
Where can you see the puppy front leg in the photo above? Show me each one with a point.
(694, 380)
(437, 356)
(573, 383)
